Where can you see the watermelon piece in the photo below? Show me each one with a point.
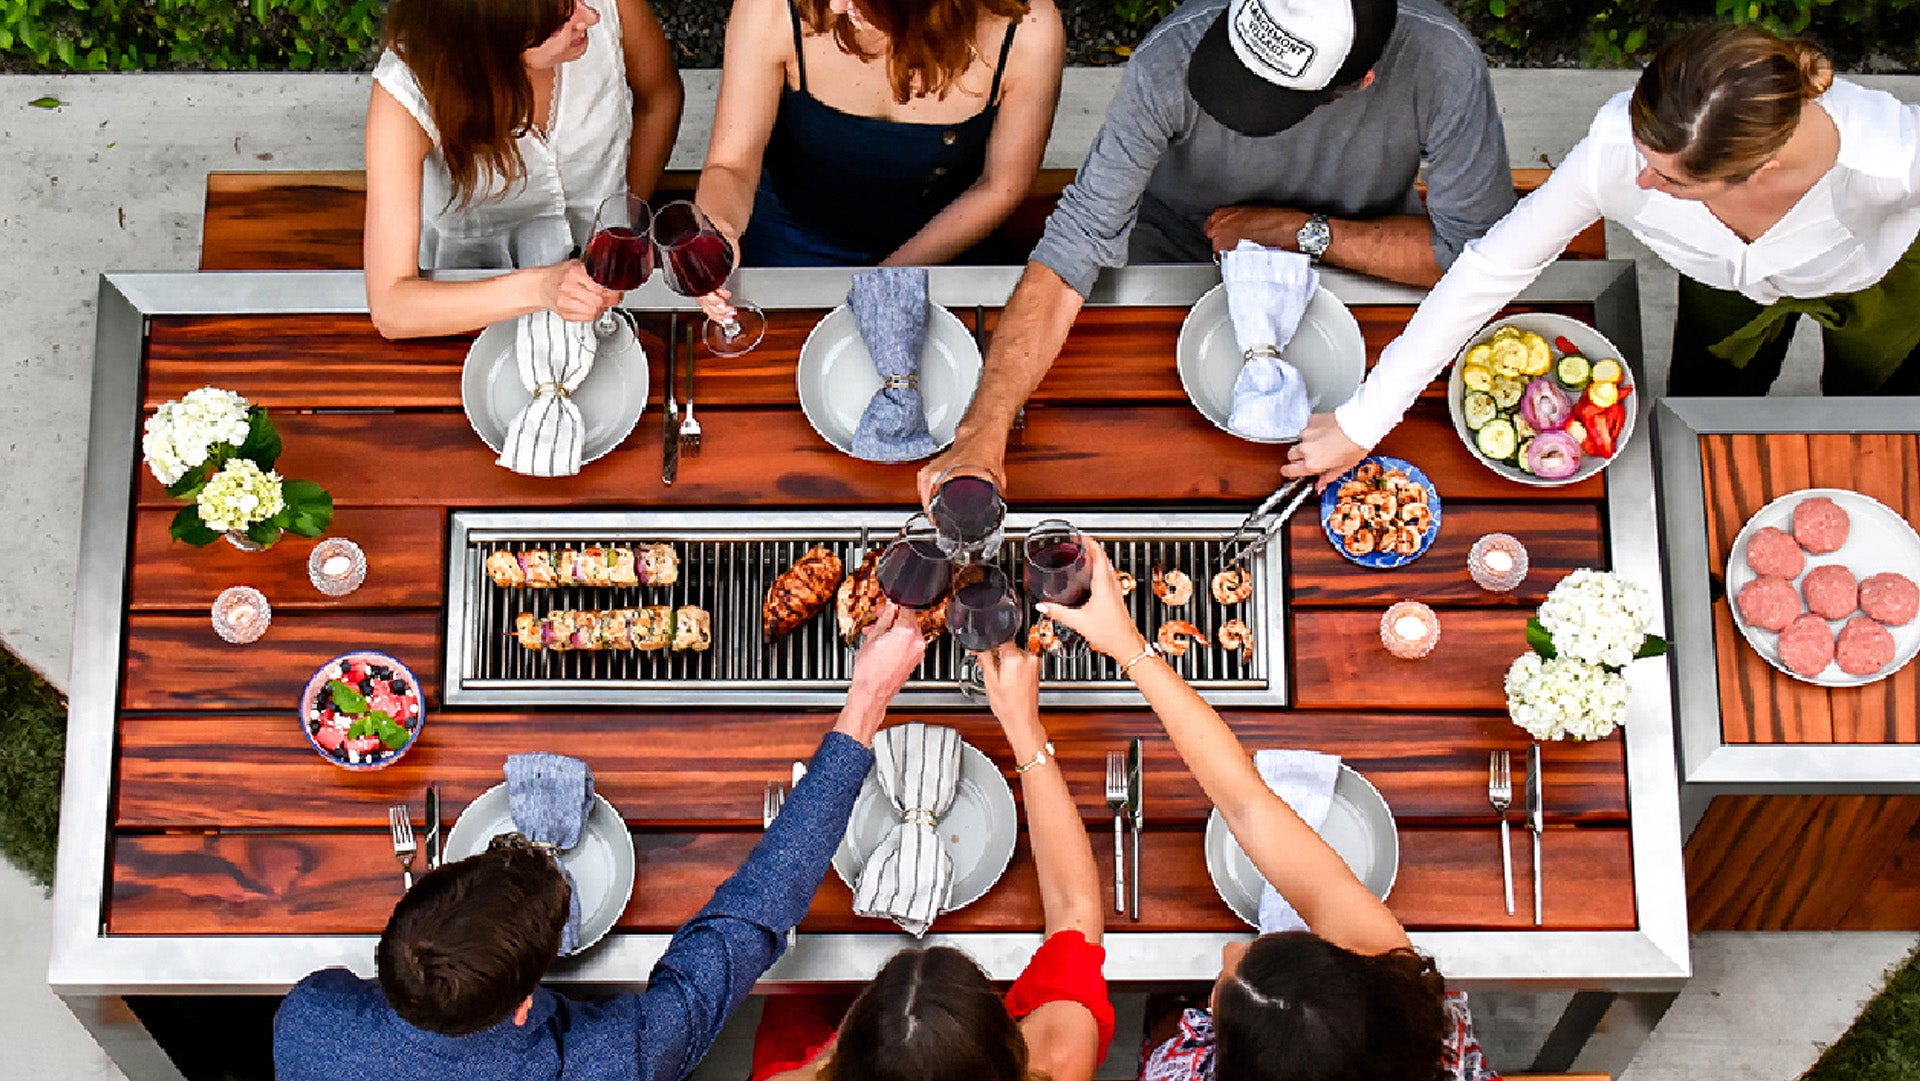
(330, 739)
(392, 705)
(365, 745)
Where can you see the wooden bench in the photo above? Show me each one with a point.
(312, 221)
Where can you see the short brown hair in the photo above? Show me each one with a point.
(466, 56)
(471, 940)
(930, 1015)
(1300, 1008)
(1724, 99)
(930, 42)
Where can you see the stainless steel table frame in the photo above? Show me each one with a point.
(93, 972)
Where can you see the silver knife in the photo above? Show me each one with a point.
(1136, 808)
(1535, 823)
(433, 826)
(670, 414)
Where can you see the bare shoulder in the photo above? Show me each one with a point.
(1041, 30)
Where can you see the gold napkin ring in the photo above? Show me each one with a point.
(901, 382)
(919, 816)
(552, 390)
(1261, 351)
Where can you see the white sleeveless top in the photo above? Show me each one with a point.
(545, 216)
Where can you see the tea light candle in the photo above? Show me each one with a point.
(337, 566)
(241, 614)
(1498, 563)
(1409, 630)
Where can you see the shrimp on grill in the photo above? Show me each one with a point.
(1234, 636)
(1174, 635)
(1044, 638)
(1173, 587)
(1233, 585)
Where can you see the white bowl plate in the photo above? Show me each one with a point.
(837, 378)
(979, 829)
(1593, 345)
(602, 864)
(1359, 827)
(1328, 351)
(611, 397)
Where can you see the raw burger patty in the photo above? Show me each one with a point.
(1831, 591)
(1890, 598)
(1819, 525)
(1865, 647)
(1806, 646)
(1769, 603)
(1773, 553)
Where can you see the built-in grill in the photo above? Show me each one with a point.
(728, 559)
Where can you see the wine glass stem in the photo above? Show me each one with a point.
(729, 329)
(605, 325)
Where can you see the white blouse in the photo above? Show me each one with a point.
(548, 214)
(1844, 235)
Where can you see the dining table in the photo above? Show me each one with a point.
(206, 849)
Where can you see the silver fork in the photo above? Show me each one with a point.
(689, 427)
(770, 805)
(403, 844)
(1500, 794)
(1117, 803)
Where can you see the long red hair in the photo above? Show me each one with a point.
(931, 41)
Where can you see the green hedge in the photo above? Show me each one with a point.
(33, 740)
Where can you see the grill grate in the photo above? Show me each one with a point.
(729, 559)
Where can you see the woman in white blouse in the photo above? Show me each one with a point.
(1776, 191)
(495, 130)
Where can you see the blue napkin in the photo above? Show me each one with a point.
(1305, 779)
(1267, 294)
(890, 308)
(551, 796)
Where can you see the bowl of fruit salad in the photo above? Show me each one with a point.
(1542, 399)
(362, 710)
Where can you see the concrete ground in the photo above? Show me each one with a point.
(114, 178)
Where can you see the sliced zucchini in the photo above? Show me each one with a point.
(1607, 371)
(1520, 456)
(1496, 439)
(1477, 377)
(1539, 357)
(1574, 371)
(1507, 392)
(1522, 428)
(1603, 394)
(1478, 408)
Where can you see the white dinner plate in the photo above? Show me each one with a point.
(1359, 827)
(611, 397)
(1327, 350)
(979, 829)
(602, 864)
(1878, 539)
(837, 378)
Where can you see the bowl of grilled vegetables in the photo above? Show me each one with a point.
(1542, 399)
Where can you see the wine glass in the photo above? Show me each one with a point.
(1059, 571)
(968, 513)
(913, 572)
(985, 610)
(697, 260)
(620, 253)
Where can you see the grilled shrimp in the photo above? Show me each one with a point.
(1173, 587)
(1352, 489)
(1361, 542)
(1346, 518)
(1401, 540)
(1174, 634)
(1233, 585)
(1379, 507)
(1234, 635)
(1043, 638)
(1367, 473)
(1416, 516)
(1127, 582)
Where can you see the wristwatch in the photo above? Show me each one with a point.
(1315, 237)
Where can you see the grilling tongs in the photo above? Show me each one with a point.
(1264, 523)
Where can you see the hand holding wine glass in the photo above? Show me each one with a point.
(567, 290)
(1103, 620)
(697, 260)
(620, 253)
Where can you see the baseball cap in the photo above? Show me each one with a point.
(1265, 64)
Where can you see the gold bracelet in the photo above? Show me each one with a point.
(1152, 650)
(1040, 759)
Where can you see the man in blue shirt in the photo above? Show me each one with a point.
(461, 958)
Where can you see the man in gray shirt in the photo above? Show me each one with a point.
(1293, 123)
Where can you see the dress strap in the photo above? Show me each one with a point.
(799, 49)
(1006, 46)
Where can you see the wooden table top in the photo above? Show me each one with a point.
(1745, 472)
(225, 822)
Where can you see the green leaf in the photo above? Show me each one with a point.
(41, 103)
(1540, 640)
(361, 729)
(391, 733)
(188, 527)
(1635, 39)
(1497, 8)
(264, 533)
(309, 509)
(346, 699)
(191, 481)
(263, 440)
(1651, 646)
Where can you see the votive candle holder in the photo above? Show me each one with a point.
(1409, 630)
(241, 614)
(337, 566)
(1498, 563)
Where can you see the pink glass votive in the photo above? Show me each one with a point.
(241, 614)
(1498, 563)
(1409, 630)
(337, 566)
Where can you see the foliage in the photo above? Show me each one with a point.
(33, 737)
(1884, 1042)
(1624, 33)
(217, 35)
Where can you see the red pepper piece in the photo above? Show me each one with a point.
(1565, 346)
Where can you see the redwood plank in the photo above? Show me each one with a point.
(659, 769)
(1803, 863)
(1339, 663)
(283, 221)
(335, 883)
(405, 549)
(1560, 538)
(175, 662)
(302, 362)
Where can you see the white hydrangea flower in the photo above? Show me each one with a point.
(1565, 698)
(180, 435)
(239, 495)
(1597, 617)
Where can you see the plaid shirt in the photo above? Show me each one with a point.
(1189, 1056)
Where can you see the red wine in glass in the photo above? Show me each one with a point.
(700, 265)
(620, 258)
(697, 261)
(968, 512)
(914, 573)
(985, 612)
(1058, 571)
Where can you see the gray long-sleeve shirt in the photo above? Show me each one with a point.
(1160, 164)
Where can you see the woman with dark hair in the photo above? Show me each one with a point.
(931, 1014)
(1774, 188)
(495, 130)
(867, 132)
(1350, 999)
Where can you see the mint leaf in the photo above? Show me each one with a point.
(1651, 646)
(1540, 639)
(347, 700)
(392, 735)
(361, 729)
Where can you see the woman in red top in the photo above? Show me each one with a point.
(931, 1014)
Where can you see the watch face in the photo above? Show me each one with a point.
(1315, 236)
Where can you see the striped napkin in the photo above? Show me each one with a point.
(1305, 779)
(1267, 294)
(551, 797)
(554, 356)
(909, 877)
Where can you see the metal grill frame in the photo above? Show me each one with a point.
(809, 667)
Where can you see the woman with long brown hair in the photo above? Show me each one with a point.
(495, 130)
(1348, 998)
(864, 132)
(931, 1014)
(1774, 188)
